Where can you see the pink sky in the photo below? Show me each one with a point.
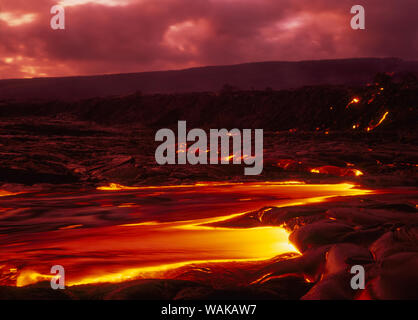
(117, 36)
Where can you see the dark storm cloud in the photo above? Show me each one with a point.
(109, 36)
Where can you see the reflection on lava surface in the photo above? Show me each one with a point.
(119, 233)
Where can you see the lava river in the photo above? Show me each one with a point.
(116, 233)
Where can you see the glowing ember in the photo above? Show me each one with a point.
(337, 171)
(354, 101)
(358, 172)
(286, 163)
(71, 227)
(371, 127)
(4, 193)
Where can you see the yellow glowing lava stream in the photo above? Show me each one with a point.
(372, 127)
(175, 244)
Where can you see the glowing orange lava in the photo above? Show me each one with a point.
(4, 193)
(337, 171)
(353, 101)
(372, 127)
(181, 228)
(119, 187)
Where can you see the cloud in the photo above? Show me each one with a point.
(112, 36)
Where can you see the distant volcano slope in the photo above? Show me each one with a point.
(258, 76)
(388, 103)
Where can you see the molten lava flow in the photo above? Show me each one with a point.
(71, 227)
(372, 127)
(4, 193)
(287, 163)
(119, 187)
(358, 173)
(337, 171)
(27, 277)
(354, 101)
(164, 228)
(254, 244)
